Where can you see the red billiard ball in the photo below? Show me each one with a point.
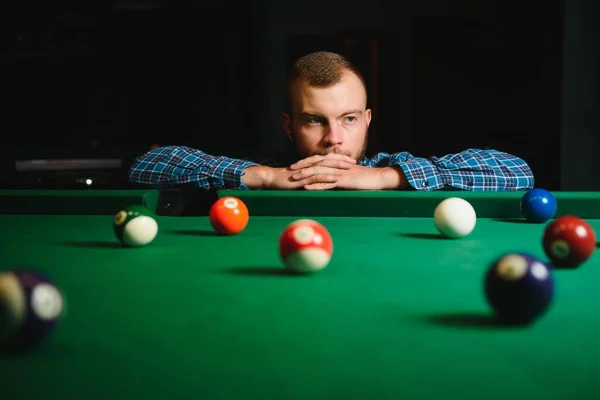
(229, 215)
(305, 246)
(569, 241)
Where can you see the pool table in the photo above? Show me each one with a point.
(398, 313)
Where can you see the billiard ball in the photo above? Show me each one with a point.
(135, 226)
(455, 217)
(30, 307)
(229, 215)
(569, 241)
(519, 288)
(538, 205)
(305, 246)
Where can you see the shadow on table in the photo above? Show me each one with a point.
(428, 236)
(95, 244)
(469, 320)
(515, 221)
(20, 347)
(261, 271)
(194, 232)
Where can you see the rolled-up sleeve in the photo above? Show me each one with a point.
(175, 165)
(472, 169)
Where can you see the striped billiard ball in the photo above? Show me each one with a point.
(305, 246)
(135, 226)
(30, 307)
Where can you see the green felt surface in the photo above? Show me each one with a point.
(401, 203)
(399, 313)
(291, 203)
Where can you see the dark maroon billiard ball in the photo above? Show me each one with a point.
(569, 241)
(519, 287)
(30, 306)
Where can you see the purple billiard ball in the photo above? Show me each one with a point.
(30, 307)
(519, 287)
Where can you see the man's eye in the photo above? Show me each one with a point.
(315, 121)
(350, 119)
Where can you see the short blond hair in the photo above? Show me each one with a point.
(319, 69)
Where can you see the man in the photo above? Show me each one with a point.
(327, 120)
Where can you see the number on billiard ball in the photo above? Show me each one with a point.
(519, 287)
(229, 215)
(305, 246)
(30, 306)
(135, 226)
(569, 241)
(538, 205)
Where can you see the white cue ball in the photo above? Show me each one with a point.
(455, 217)
(140, 231)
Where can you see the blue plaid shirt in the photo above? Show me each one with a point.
(472, 169)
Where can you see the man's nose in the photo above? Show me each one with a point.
(334, 135)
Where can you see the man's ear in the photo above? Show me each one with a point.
(368, 116)
(286, 124)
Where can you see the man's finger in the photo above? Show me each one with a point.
(314, 159)
(331, 164)
(320, 186)
(314, 171)
(321, 178)
(338, 164)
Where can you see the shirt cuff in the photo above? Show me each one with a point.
(227, 174)
(421, 175)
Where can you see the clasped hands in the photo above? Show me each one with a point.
(334, 171)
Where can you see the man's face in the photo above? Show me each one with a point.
(329, 120)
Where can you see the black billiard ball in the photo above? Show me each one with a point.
(30, 306)
(519, 287)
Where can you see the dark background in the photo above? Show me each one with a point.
(112, 79)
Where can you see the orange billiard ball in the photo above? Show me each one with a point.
(229, 215)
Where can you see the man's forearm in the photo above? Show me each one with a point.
(256, 177)
(393, 178)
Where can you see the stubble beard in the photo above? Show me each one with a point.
(299, 155)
